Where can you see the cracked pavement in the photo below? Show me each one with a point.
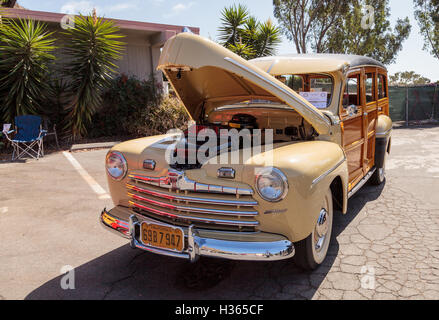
(386, 247)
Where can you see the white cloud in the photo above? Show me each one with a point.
(73, 7)
(121, 7)
(86, 7)
(179, 8)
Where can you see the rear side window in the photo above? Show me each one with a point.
(370, 87)
(382, 92)
(352, 91)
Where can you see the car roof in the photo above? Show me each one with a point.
(313, 63)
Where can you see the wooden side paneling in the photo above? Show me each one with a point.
(355, 165)
(353, 130)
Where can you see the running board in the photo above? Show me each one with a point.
(361, 183)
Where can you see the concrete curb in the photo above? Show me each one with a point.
(102, 145)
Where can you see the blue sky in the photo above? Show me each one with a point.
(205, 15)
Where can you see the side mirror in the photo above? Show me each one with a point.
(352, 110)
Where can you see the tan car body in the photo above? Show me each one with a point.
(206, 75)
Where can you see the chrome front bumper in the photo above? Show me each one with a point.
(126, 223)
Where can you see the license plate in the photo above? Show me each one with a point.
(162, 237)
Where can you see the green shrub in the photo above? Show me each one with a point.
(133, 107)
(125, 98)
(169, 114)
(56, 102)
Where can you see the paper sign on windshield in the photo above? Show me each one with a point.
(317, 99)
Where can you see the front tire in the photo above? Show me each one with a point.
(312, 251)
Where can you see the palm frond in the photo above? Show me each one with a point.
(242, 49)
(26, 52)
(245, 35)
(92, 50)
(268, 38)
(233, 19)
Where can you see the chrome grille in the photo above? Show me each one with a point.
(179, 181)
(178, 200)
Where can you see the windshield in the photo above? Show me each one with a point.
(316, 88)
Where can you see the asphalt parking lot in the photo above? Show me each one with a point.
(386, 247)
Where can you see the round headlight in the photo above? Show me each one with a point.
(271, 184)
(116, 165)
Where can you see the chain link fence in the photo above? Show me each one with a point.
(414, 103)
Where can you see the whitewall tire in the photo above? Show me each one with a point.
(312, 251)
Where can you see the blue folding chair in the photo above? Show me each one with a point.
(28, 137)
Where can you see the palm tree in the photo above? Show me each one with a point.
(244, 50)
(25, 53)
(245, 35)
(92, 51)
(268, 38)
(233, 19)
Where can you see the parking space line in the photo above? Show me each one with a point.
(89, 179)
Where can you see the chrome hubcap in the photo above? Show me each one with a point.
(321, 229)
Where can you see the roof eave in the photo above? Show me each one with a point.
(53, 17)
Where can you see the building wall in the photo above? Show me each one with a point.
(139, 58)
(136, 61)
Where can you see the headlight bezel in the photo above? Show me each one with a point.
(123, 161)
(273, 172)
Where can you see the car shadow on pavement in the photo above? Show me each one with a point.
(125, 273)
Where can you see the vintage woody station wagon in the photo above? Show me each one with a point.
(328, 115)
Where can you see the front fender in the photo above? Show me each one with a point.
(311, 168)
(135, 152)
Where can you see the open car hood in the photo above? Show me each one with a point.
(206, 75)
